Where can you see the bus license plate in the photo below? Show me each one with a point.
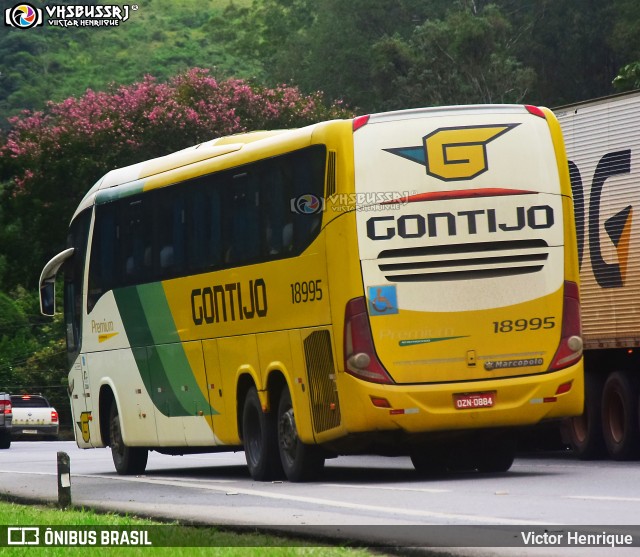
(469, 401)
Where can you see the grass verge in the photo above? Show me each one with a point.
(186, 541)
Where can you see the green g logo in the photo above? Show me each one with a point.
(458, 153)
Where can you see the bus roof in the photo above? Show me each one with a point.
(198, 153)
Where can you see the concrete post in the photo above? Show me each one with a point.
(64, 480)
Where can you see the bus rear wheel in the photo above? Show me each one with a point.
(496, 455)
(429, 461)
(620, 416)
(300, 462)
(260, 438)
(127, 460)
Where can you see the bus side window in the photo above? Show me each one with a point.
(178, 239)
(215, 229)
(309, 168)
(169, 241)
(275, 211)
(134, 242)
(203, 226)
(245, 220)
(102, 266)
(197, 228)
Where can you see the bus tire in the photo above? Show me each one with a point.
(584, 432)
(260, 439)
(127, 460)
(496, 456)
(620, 426)
(300, 462)
(429, 460)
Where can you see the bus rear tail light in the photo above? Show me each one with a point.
(360, 359)
(360, 121)
(54, 417)
(535, 111)
(570, 349)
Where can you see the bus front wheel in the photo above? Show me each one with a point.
(300, 462)
(127, 460)
(260, 438)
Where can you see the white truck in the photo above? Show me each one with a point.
(603, 146)
(33, 415)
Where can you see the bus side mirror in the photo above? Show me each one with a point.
(48, 282)
(48, 298)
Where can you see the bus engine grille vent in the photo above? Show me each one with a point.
(463, 261)
(325, 407)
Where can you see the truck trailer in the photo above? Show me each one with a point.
(602, 139)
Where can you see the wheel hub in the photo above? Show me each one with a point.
(287, 432)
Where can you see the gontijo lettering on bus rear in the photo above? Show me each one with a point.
(466, 222)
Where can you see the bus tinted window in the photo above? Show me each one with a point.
(238, 217)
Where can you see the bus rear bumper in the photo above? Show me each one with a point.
(512, 402)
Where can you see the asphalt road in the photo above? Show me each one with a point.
(370, 498)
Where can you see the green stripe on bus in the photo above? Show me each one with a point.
(133, 316)
(164, 366)
(158, 313)
(118, 192)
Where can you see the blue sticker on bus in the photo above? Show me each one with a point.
(383, 300)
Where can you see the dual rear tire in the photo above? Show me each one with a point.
(272, 447)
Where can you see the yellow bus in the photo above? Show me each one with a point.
(403, 283)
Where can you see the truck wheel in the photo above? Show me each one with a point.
(5, 440)
(127, 460)
(620, 416)
(300, 462)
(260, 438)
(584, 433)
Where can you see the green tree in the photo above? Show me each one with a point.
(628, 77)
(567, 44)
(468, 57)
(49, 159)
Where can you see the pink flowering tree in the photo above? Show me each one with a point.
(50, 158)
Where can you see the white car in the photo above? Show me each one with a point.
(33, 415)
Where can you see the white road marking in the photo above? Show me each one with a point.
(390, 488)
(603, 498)
(484, 519)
